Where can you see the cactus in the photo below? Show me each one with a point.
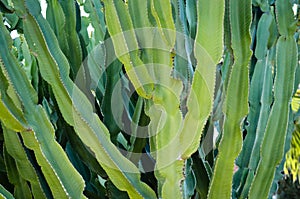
(163, 99)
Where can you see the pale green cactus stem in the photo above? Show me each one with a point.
(176, 97)
(162, 12)
(126, 47)
(208, 53)
(236, 105)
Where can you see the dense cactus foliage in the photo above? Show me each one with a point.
(162, 99)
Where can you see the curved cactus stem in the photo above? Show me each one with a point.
(5, 194)
(236, 106)
(22, 166)
(208, 53)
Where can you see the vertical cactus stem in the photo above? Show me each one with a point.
(236, 101)
(26, 171)
(208, 53)
(287, 24)
(162, 12)
(120, 27)
(273, 144)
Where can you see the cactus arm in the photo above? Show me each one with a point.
(162, 12)
(287, 25)
(57, 20)
(164, 112)
(73, 52)
(120, 27)
(5, 194)
(10, 114)
(208, 53)
(266, 101)
(137, 143)
(21, 188)
(22, 164)
(183, 67)
(236, 106)
(164, 129)
(163, 107)
(94, 8)
(139, 13)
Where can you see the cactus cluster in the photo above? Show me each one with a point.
(163, 99)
